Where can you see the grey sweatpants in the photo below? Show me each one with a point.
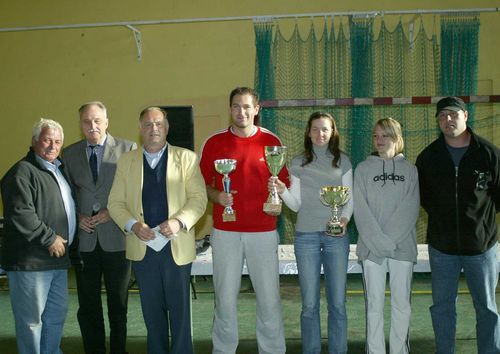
(260, 250)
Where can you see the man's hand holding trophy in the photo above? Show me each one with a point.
(275, 159)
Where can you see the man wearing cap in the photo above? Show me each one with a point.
(459, 176)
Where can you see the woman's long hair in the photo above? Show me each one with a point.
(333, 144)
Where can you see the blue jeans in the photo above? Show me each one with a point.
(313, 249)
(40, 303)
(481, 275)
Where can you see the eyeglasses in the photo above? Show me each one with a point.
(445, 114)
(150, 125)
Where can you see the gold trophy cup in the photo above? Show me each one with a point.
(225, 167)
(334, 197)
(275, 158)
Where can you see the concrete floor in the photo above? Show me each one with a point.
(421, 338)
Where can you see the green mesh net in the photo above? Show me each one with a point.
(459, 56)
(351, 61)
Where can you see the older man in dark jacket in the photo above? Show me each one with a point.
(39, 238)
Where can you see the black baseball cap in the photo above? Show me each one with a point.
(450, 103)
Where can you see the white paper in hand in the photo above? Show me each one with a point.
(159, 241)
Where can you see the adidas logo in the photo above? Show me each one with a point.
(388, 177)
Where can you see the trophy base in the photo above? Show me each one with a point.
(272, 209)
(229, 217)
(334, 230)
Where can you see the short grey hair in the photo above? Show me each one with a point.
(153, 109)
(46, 123)
(99, 104)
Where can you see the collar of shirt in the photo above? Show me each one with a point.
(51, 166)
(98, 146)
(254, 131)
(154, 158)
(100, 143)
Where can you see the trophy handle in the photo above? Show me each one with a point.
(322, 200)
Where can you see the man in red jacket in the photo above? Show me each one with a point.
(252, 237)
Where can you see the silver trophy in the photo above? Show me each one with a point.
(225, 167)
(334, 197)
(275, 158)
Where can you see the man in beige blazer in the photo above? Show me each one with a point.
(102, 243)
(158, 195)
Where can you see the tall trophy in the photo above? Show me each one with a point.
(334, 197)
(225, 167)
(275, 158)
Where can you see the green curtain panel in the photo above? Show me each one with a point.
(459, 56)
(347, 58)
(362, 47)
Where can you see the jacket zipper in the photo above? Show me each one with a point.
(456, 210)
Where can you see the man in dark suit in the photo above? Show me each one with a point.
(91, 165)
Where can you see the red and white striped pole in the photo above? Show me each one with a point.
(374, 101)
